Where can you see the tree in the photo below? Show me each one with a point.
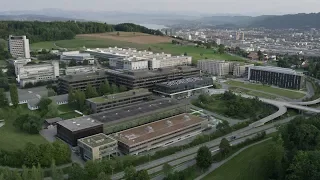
(29, 123)
(104, 88)
(103, 176)
(76, 173)
(223, 126)
(14, 95)
(46, 154)
(260, 55)
(85, 62)
(3, 99)
(122, 88)
(167, 169)
(221, 49)
(114, 89)
(71, 97)
(25, 173)
(129, 173)
(91, 92)
(92, 169)
(43, 105)
(80, 99)
(61, 152)
(224, 147)
(204, 158)
(52, 110)
(185, 54)
(56, 174)
(51, 93)
(31, 157)
(149, 49)
(73, 62)
(142, 175)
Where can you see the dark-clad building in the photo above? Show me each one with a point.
(276, 76)
(99, 104)
(81, 81)
(73, 129)
(183, 86)
(148, 78)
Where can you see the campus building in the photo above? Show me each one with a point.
(148, 78)
(36, 72)
(276, 76)
(77, 56)
(18, 46)
(80, 81)
(160, 133)
(74, 70)
(183, 87)
(99, 104)
(215, 67)
(97, 147)
(73, 129)
(241, 70)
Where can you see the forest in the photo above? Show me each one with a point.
(51, 31)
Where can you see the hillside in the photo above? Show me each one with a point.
(297, 21)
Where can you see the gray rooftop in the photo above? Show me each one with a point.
(183, 81)
(276, 69)
(119, 96)
(72, 78)
(53, 120)
(79, 123)
(97, 140)
(133, 111)
(31, 93)
(59, 98)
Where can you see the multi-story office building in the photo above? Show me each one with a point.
(183, 87)
(281, 77)
(18, 46)
(112, 101)
(80, 82)
(74, 70)
(97, 147)
(77, 56)
(128, 63)
(114, 52)
(37, 72)
(241, 70)
(73, 129)
(215, 67)
(160, 133)
(147, 79)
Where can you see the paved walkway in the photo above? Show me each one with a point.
(214, 166)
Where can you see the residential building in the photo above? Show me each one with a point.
(37, 72)
(159, 134)
(148, 78)
(183, 87)
(215, 67)
(74, 70)
(99, 104)
(241, 70)
(97, 147)
(80, 81)
(73, 129)
(276, 76)
(18, 46)
(77, 56)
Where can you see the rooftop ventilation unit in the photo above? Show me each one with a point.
(169, 123)
(149, 129)
(186, 118)
(78, 124)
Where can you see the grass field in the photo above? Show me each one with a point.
(252, 93)
(245, 166)
(139, 41)
(12, 138)
(265, 88)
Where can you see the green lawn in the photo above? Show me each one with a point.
(248, 165)
(65, 108)
(69, 115)
(252, 93)
(12, 138)
(95, 42)
(265, 88)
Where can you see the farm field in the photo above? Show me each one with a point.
(247, 165)
(265, 88)
(138, 40)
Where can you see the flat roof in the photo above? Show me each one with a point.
(118, 96)
(116, 115)
(156, 129)
(276, 69)
(183, 81)
(79, 123)
(97, 140)
(150, 73)
(79, 77)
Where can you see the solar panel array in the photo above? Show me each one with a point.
(183, 81)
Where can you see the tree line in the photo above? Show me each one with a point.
(38, 31)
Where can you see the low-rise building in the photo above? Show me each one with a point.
(97, 147)
(80, 81)
(73, 129)
(99, 104)
(37, 72)
(58, 100)
(276, 76)
(77, 56)
(215, 67)
(183, 87)
(75, 70)
(160, 133)
(241, 70)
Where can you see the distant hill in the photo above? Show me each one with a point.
(297, 21)
(33, 17)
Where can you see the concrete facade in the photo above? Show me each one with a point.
(18, 46)
(215, 67)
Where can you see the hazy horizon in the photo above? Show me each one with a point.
(194, 7)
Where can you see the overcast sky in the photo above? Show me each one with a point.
(251, 7)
